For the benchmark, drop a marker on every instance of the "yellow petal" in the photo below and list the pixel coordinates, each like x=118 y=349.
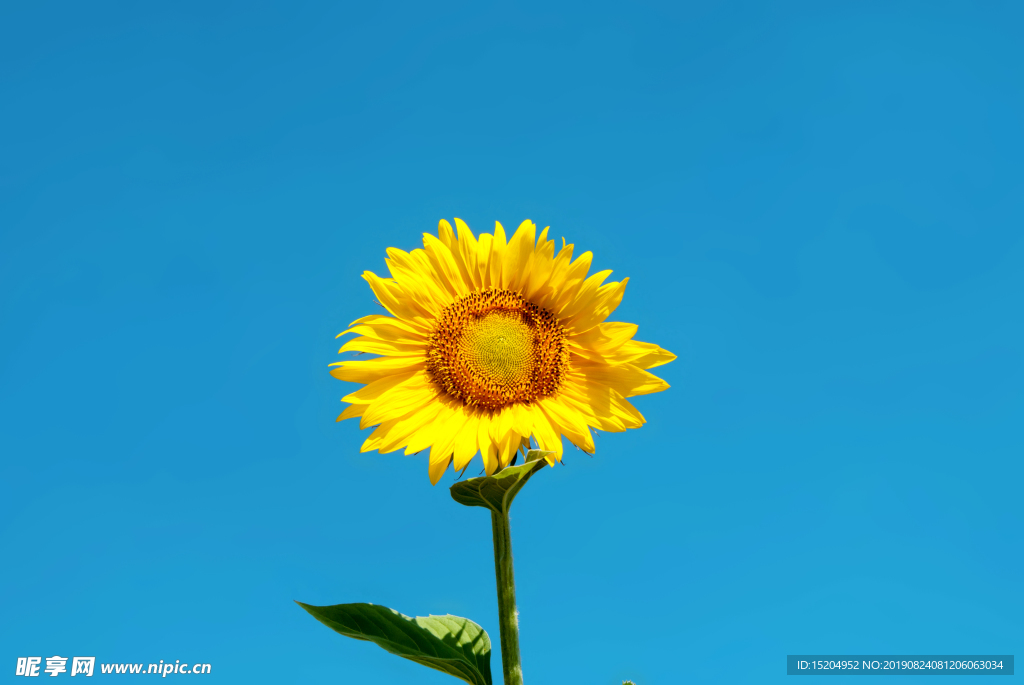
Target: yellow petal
x=428 y=435
x=379 y=434
x=465 y=443
x=542 y=240
x=437 y=468
x=370 y=370
x=488 y=449
x=587 y=292
x=542 y=262
x=597 y=417
x=604 y=303
x=547 y=294
x=522 y=420
x=445 y=234
x=627 y=379
x=642 y=354
x=546 y=434
x=604 y=338
x=444 y=265
x=569 y=422
x=368 y=393
x=564 y=292
x=483 y=255
x=351 y=412
x=469 y=253
x=498 y=245
x=395 y=299
x=385 y=347
x=501 y=423
x=398 y=401
x=441 y=452
x=402 y=430
x=387 y=332
x=517 y=255
x=508 y=449
x=604 y=401
x=416 y=326
x=412 y=271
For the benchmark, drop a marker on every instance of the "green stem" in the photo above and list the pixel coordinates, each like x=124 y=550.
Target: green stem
x=508 y=619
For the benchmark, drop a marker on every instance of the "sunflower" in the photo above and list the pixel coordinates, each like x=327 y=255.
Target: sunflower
x=493 y=342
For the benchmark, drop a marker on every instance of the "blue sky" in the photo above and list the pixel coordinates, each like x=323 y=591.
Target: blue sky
x=819 y=206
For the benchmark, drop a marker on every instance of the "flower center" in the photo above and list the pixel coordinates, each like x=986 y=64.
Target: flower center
x=493 y=348
x=498 y=346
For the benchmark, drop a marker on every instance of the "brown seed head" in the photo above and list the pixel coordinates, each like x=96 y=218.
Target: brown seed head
x=493 y=348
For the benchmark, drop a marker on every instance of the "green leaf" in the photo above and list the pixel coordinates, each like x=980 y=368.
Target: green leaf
x=451 y=644
x=497 y=492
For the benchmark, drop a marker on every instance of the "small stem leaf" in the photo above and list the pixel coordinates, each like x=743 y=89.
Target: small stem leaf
x=450 y=644
x=497 y=492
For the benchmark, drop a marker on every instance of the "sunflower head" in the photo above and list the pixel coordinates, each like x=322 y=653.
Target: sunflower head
x=493 y=344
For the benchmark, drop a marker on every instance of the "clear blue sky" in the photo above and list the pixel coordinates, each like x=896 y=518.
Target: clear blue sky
x=820 y=209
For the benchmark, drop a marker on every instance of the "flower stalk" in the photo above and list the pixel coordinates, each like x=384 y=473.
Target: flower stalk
x=508 y=615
